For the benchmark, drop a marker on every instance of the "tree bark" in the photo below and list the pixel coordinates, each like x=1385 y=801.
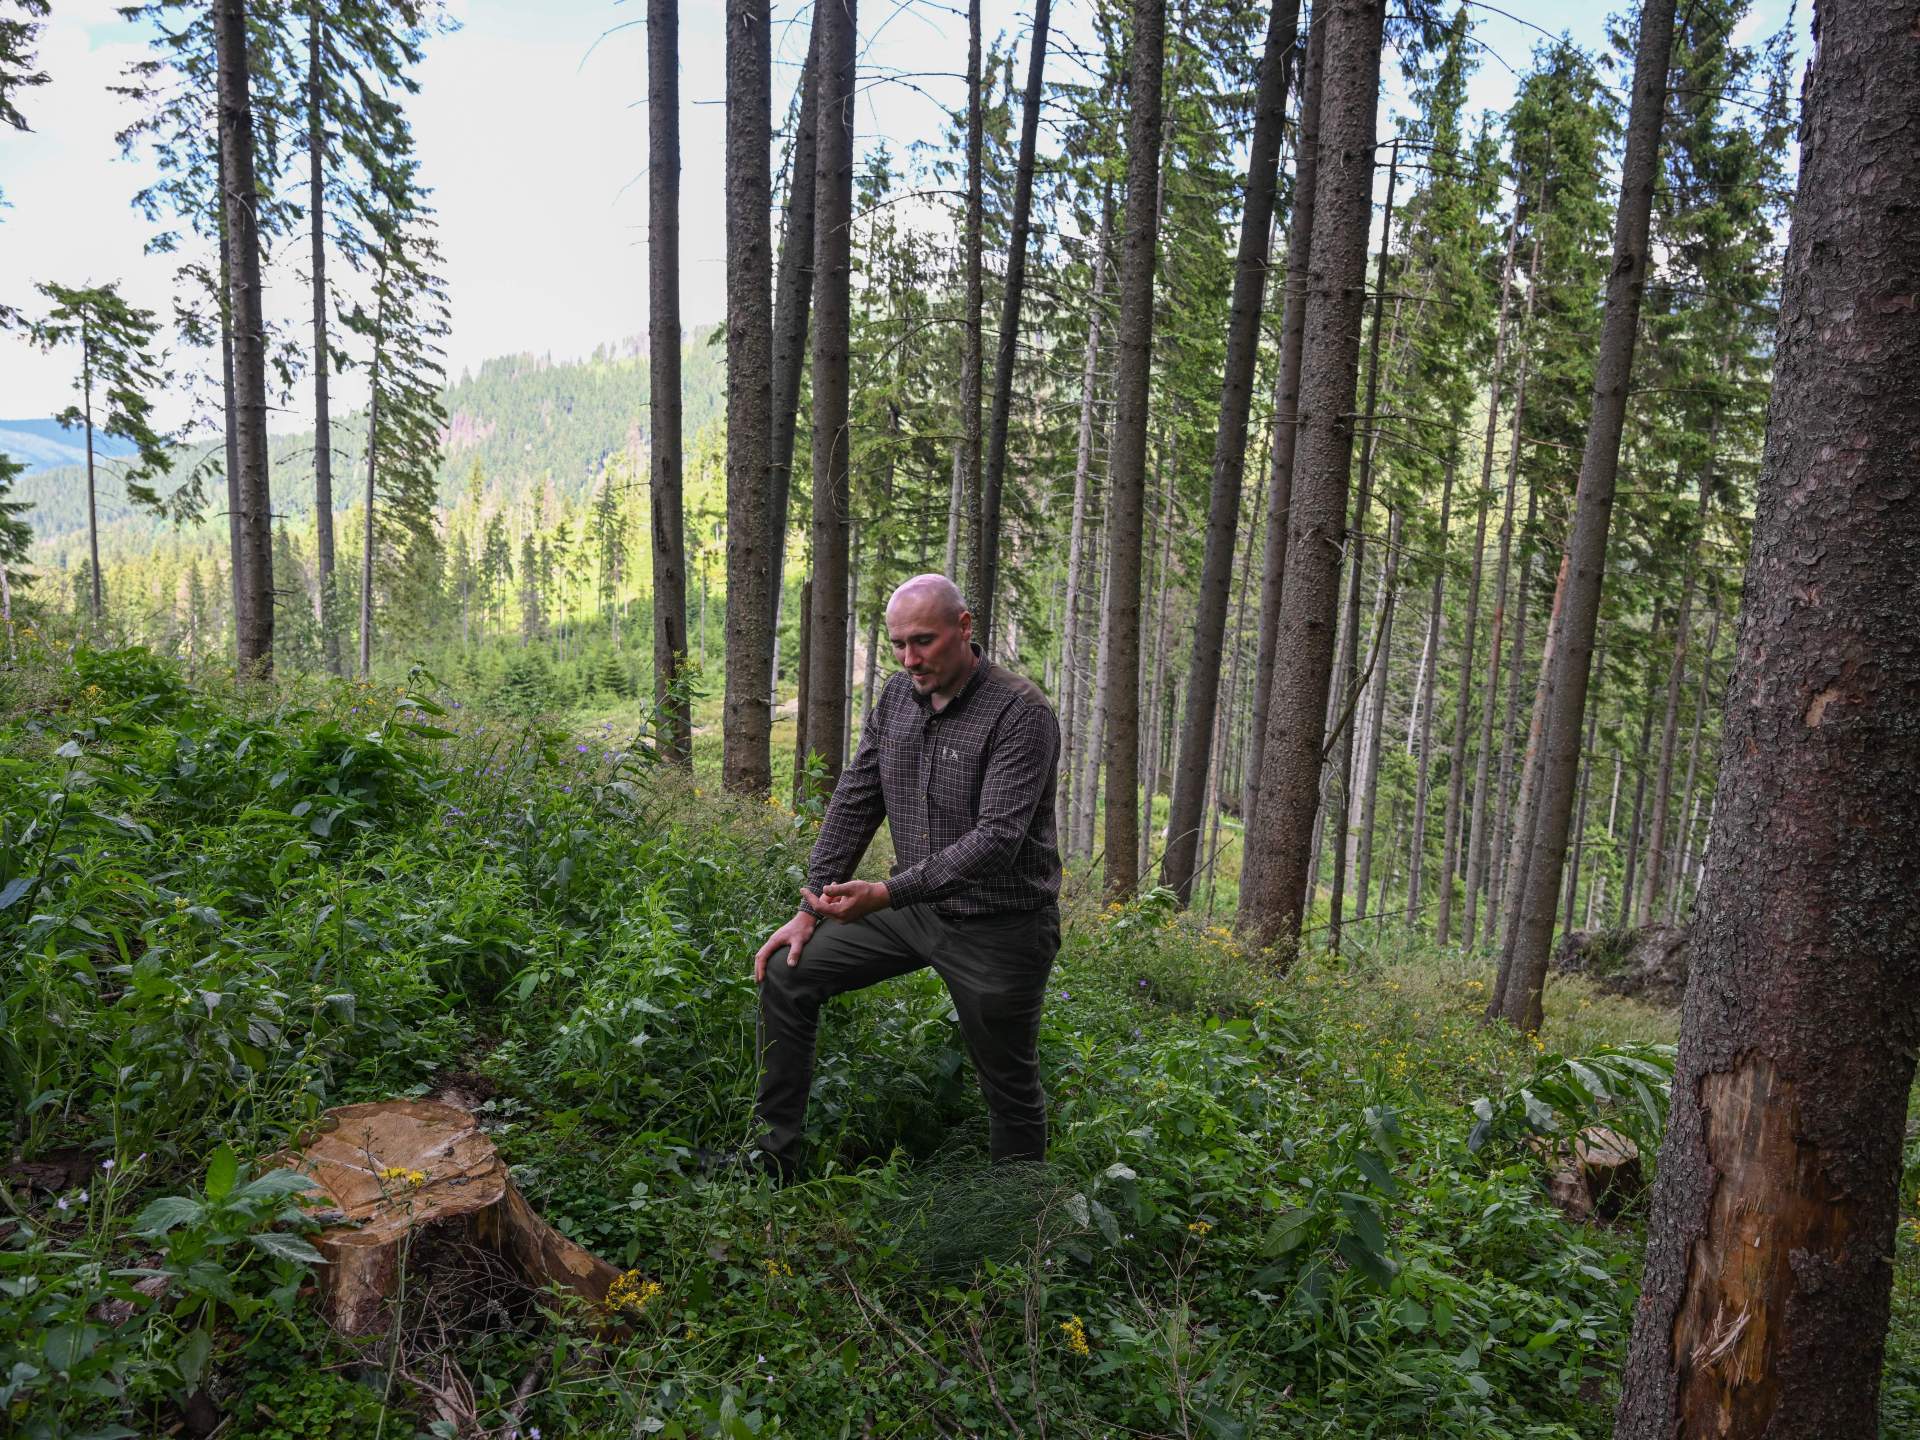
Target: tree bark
x=323 y=599
x=1073 y=637
x=746 y=731
x=1676 y=686
x=1498 y=860
x=1470 y=628
x=832 y=323
x=792 y=295
x=986 y=563
x=671 y=703
x=93 y=509
x=1127 y=465
x=253 y=616
x=1286 y=408
x=1765 y=1300
x=1586 y=544
x=369 y=534
x=967 y=476
x=1377 y=715
x=1586 y=775
x=1356 y=548
x=1479 y=844
x=1273 y=894
x=1188 y=800
x=1436 y=610
x=1693 y=758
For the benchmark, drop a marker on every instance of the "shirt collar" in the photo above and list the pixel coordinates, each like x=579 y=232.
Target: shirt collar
x=980 y=667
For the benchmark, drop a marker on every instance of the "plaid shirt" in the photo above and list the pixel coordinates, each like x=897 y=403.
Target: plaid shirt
x=966 y=791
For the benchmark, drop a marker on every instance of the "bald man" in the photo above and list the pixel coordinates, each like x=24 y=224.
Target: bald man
x=958 y=757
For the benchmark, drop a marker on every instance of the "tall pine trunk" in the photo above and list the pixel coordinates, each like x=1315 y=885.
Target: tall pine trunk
x=1764 y=1304
x=792 y=297
x=832 y=321
x=1279 y=853
x=323 y=599
x=1450 y=825
x=1377 y=716
x=963 y=523
x=1586 y=545
x=1127 y=465
x=1349 y=667
x=1498 y=860
x=746 y=757
x=986 y=564
x=253 y=589
x=1073 y=635
x=1286 y=408
x=1436 y=611
x=1188 y=800
x=671 y=702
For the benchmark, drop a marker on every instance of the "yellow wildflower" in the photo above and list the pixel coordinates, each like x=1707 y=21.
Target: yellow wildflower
x=1076 y=1334
x=776 y=1268
x=630 y=1292
x=399 y=1174
x=1198 y=1227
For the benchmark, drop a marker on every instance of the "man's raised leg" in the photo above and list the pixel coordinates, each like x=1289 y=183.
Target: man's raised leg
x=839 y=958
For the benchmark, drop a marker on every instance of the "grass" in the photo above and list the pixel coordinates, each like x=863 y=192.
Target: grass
x=1272 y=1207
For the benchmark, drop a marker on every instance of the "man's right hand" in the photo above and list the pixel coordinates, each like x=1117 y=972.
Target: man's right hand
x=794 y=935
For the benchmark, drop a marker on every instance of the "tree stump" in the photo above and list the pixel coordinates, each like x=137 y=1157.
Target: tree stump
x=1596 y=1172
x=394 y=1170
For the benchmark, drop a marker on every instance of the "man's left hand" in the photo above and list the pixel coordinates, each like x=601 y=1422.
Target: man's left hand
x=849 y=900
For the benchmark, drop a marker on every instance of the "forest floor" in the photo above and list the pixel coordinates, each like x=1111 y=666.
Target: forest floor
x=1278 y=1204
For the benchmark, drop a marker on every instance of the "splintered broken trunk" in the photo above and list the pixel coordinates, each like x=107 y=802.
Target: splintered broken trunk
x=395 y=1171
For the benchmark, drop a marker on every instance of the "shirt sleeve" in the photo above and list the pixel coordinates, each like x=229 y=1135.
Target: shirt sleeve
x=1019 y=764
x=853 y=814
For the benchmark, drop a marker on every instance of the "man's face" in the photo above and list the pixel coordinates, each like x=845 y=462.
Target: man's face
x=933 y=647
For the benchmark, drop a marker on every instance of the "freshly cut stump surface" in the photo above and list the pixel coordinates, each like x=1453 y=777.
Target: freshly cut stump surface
x=396 y=1169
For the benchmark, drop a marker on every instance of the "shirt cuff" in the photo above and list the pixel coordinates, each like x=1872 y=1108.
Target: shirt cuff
x=906 y=888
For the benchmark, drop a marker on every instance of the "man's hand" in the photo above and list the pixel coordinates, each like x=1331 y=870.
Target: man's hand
x=794 y=935
x=848 y=900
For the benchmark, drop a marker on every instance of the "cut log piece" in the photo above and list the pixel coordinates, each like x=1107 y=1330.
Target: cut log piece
x=394 y=1170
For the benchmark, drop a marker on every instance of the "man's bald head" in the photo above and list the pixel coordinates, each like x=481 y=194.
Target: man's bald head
x=932 y=635
x=931 y=596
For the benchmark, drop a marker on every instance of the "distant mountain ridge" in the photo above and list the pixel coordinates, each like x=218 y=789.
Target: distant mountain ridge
x=525 y=419
x=47 y=445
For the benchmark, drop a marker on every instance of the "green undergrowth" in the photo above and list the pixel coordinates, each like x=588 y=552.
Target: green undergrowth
x=1277 y=1204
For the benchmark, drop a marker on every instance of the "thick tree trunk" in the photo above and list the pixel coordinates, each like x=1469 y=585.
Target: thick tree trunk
x=1286 y=409
x=1436 y=610
x=253 y=615
x=671 y=703
x=1229 y=453
x=1274 y=892
x=792 y=297
x=1348 y=670
x=1764 y=1305
x=1073 y=637
x=1586 y=544
x=323 y=597
x=746 y=729
x=986 y=563
x=1128 y=462
x=1470 y=629
x=832 y=324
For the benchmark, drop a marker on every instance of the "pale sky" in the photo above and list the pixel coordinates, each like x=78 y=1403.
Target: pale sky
x=531 y=126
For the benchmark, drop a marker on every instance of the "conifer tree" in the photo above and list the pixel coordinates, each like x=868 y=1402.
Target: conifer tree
x=120 y=370
x=663 y=350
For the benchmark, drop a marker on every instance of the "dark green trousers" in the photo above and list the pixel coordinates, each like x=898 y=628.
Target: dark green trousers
x=994 y=966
